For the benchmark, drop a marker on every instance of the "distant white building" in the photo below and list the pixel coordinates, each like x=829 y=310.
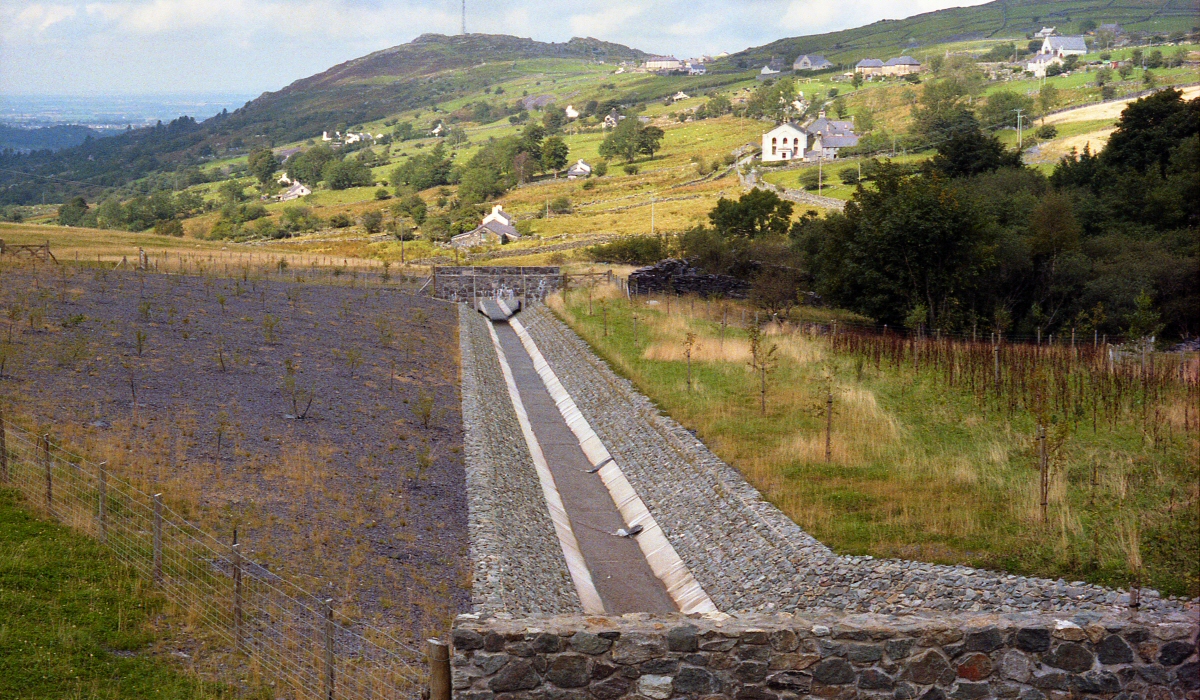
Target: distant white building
x=1041 y=62
x=578 y=170
x=1063 y=46
x=612 y=119
x=498 y=214
x=571 y=112
x=767 y=72
x=695 y=68
x=663 y=63
x=496 y=227
x=296 y=191
x=681 y=95
x=788 y=141
x=1045 y=32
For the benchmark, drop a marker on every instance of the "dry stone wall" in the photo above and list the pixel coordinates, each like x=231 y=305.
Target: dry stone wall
x=463 y=283
x=967 y=656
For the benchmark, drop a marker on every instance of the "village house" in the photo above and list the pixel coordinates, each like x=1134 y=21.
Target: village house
x=788 y=141
x=869 y=67
x=496 y=227
x=903 y=65
x=1039 y=63
x=681 y=95
x=1063 y=46
x=767 y=73
x=810 y=62
x=296 y=191
x=1045 y=32
x=612 y=119
x=696 y=68
x=828 y=136
x=578 y=170
x=665 y=64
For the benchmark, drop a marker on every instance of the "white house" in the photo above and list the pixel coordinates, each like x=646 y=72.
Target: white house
x=612 y=119
x=767 y=72
x=695 y=68
x=325 y=136
x=578 y=170
x=1063 y=46
x=1042 y=61
x=498 y=214
x=1045 y=32
x=788 y=141
x=296 y=191
x=663 y=63
x=681 y=95
x=571 y=112
x=490 y=231
x=810 y=62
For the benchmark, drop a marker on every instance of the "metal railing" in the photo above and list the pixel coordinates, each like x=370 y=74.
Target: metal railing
x=261 y=629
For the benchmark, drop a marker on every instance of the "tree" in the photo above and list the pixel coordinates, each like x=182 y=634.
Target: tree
x=1000 y=111
x=650 y=140
x=940 y=105
x=262 y=164
x=307 y=166
x=967 y=151
x=1150 y=128
x=404 y=131
x=622 y=141
x=757 y=213
x=554 y=119
x=344 y=174
x=372 y=221
x=554 y=153
x=413 y=206
x=773 y=101
x=718 y=105
x=906 y=242
x=1047 y=98
x=232 y=191
x=71 y=213
x=422 y=172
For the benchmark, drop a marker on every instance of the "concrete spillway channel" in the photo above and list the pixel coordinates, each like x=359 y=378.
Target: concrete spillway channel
x=588 y=497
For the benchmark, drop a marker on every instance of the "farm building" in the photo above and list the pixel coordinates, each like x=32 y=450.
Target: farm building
x=496 y=227
x=1063 y=46
x=787 y=141
x=578 y=170
x=810 y=62
x=869 y=67
x=902 y=65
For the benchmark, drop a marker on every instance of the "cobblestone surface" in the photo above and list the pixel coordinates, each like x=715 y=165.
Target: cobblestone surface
x=745 y=552
x=518 y=563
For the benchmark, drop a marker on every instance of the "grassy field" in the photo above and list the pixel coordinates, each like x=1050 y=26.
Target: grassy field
x=920 y=469
x=78 y=624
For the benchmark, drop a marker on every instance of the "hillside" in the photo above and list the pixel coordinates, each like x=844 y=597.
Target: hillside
x=49 y=137
x=1002 y=19
x=421 y=74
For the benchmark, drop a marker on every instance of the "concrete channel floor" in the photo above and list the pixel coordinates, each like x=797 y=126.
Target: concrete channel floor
x=619 y=570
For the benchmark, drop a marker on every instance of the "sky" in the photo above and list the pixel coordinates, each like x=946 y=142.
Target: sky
x=155 y=47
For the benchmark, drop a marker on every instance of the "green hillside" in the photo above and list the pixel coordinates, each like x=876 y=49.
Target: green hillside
x=1002 y=19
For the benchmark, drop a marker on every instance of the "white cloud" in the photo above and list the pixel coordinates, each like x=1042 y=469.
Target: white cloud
x=606 y=22
x=38 y=17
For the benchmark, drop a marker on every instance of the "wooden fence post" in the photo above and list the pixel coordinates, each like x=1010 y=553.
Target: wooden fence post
x=328 y=649
x=103 y=476
x=3 y=446
x=439 y=669
x=158 y=538
x=49 y=481
x=829 y=427
x=1044 y=468
x=237 y=596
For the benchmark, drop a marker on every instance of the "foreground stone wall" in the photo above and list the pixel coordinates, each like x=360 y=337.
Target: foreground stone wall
x=460 y=283
x=1028 y=656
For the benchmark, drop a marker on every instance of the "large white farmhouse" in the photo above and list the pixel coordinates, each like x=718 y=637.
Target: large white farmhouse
x=1063 y=46
x=788 y=141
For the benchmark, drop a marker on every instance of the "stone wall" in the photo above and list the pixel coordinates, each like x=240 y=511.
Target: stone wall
x=677 y=277
x=1027 y=656
x=518 y=562
x=461 y=283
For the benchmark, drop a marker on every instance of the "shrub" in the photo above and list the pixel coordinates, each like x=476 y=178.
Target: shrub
x=601 y=169
x=560 y=205
x=1046 y=131
x=169 y=227
x=589 y=185
x=630 y=169
x=382 y=194
x=340 y=220
x=811 y=180
x=372 y=221
x=849 y=176
x=630 y=250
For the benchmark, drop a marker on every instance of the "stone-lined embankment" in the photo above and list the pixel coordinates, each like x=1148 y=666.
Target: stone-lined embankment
x=746 y=554
x=518 y=562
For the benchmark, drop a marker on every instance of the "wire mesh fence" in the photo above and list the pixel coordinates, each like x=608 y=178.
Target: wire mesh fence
x=269 y=632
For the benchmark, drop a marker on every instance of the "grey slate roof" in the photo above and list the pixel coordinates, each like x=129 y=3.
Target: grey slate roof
x=902 y=61
x=869 y=63
x=1067 y=43
x=839 y=141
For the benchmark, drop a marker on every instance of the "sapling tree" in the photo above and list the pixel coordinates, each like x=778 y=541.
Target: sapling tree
x=222 y=427
x=762 y=360
x=354 y=359
x=422 y=408
x=293 y=390
x=270 y=324
x=139 y=338
x=383 y=325
x=689 y=342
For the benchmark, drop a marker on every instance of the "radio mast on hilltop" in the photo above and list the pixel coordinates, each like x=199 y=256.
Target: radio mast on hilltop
x=464 y=16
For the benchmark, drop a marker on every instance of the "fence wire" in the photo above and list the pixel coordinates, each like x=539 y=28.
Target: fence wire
x=272 y=633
